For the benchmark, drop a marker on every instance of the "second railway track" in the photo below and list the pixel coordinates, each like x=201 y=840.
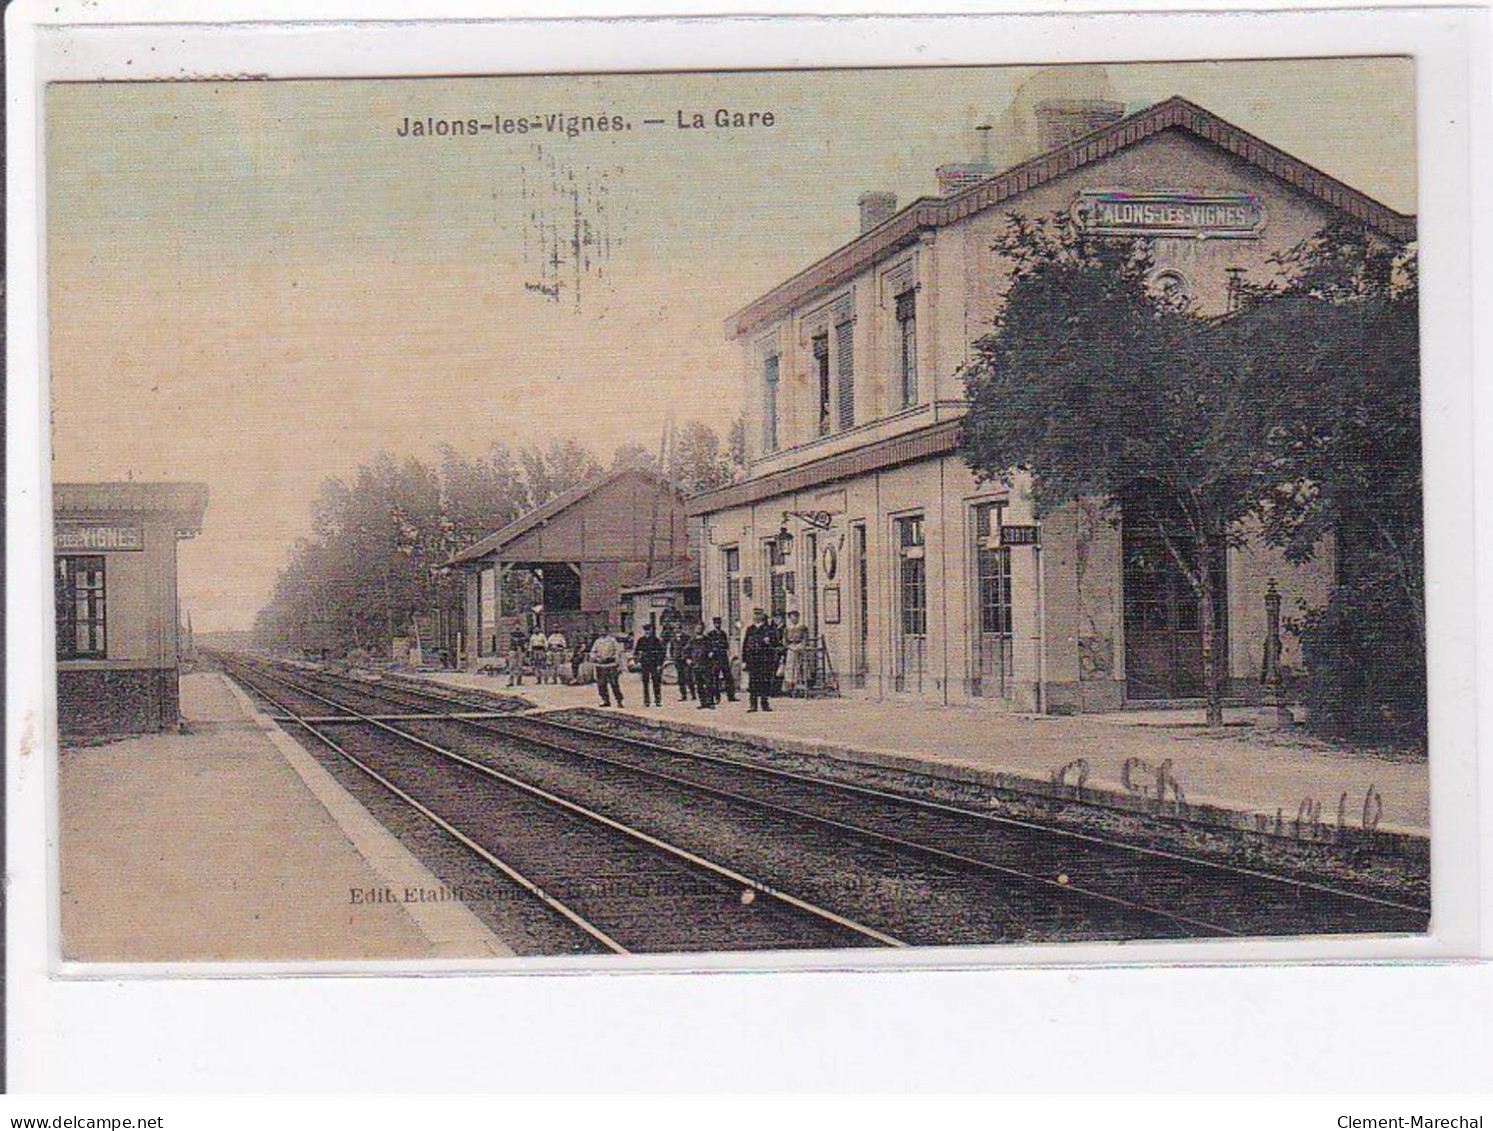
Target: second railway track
x=894 y=860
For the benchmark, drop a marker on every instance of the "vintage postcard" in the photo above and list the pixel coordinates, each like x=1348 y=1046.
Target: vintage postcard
x=787 y=511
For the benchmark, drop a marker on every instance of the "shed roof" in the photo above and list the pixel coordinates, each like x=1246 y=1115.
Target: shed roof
x=935 y=212
x=549 y=510
x=683 y=575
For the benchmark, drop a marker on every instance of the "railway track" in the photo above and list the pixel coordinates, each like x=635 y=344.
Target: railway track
x=1062 y=884
x=609 y=886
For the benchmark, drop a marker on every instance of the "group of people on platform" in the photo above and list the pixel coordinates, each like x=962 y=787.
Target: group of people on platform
x=545 y=655
x=772 y=658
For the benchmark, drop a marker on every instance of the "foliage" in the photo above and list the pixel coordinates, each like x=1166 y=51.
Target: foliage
x=1094 y=386
x=1299 y=408
x=1337 y=337
x=372 y=562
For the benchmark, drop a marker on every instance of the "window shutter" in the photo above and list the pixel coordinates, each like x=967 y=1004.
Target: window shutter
x=845 y=365
x=770 y=403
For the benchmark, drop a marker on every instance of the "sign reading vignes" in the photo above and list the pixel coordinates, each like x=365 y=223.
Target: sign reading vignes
x=1228 y=215
x=72 y=538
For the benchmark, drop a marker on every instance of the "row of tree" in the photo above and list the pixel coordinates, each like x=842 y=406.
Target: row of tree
x=1297 y=413
x=370 y=569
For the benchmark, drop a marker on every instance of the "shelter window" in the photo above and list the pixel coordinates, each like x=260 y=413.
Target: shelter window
x=82 y=623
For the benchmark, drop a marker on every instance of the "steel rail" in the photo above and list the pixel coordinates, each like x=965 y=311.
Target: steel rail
x=937 y=806
x=943 y=856
x=528 y=885
x=991 y=818
x=651 y=841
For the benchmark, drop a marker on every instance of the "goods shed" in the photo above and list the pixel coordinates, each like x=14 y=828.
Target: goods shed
x=565 y=564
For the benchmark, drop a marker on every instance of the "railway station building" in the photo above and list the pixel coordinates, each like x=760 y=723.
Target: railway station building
x=114 y=587
x=567 y=563
x=858 y=510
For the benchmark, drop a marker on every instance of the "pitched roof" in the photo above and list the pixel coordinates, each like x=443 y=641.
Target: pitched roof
x=186 y=502
x=542 y=514
x=681 y=575
x=935 y=212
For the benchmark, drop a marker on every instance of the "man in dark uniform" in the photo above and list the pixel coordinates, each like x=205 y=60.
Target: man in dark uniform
x=720 y=652
x=649 y=653
x=680 y=645
x=759 y=655
x=707 y=679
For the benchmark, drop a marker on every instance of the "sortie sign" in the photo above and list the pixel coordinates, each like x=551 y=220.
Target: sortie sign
x=75 y=538
x=1225 y=215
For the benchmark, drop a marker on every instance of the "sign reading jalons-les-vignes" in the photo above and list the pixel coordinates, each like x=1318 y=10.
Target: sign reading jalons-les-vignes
x=1222 y=215
x=96 y=538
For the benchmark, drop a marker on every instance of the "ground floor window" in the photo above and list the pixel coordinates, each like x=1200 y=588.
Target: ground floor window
x=912 y=604
x=860 y=660
x=992 y=594
x=732 y=558
x=780 y=574
x=82 y=621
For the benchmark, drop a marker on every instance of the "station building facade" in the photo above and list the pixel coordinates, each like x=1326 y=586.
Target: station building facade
x=858 y=510
x=115 y=600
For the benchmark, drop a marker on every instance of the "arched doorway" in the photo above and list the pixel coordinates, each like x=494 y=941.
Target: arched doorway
x=1163 y=625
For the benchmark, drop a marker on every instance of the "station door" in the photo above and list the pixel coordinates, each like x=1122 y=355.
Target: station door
x=1163 y=625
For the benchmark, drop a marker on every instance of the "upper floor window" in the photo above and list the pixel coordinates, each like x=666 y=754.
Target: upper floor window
x=821 y=382
x=907 y=348
x=78 y=589
x=770 y=403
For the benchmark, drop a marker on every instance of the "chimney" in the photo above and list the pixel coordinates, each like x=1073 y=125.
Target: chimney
x=876 y=208
x=957 y=177
x=1061 y=120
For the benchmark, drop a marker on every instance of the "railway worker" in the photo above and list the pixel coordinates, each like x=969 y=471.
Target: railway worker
x=559 y=653
x=681 y=644
x=649 y=652
x=606 y=657
x=539 y=653
x=578 y=659
x=759 y=655
x=518 y=641
x=795 y=636
x=707 y=677
x=720 y=659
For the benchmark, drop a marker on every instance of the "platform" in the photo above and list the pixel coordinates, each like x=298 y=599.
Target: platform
x=231 y=843
x=1242 y=769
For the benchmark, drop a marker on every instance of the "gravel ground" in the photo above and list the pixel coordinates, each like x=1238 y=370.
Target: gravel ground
x=1352 y=867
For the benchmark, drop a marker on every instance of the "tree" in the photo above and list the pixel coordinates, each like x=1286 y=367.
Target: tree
x=1336 y=340
x=1094 y=386
x=556 y=469
x=633 y=456
x=697 y=461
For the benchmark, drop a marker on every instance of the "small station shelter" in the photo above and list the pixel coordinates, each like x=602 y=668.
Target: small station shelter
x=114 y=586
x=565 y=564
x=668 y=599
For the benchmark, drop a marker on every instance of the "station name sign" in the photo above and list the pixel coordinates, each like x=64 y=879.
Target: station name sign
x=1019 y=536
x=1226 y=215
x=92 y=538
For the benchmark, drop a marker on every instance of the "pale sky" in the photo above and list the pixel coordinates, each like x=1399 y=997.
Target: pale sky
x=258 y=285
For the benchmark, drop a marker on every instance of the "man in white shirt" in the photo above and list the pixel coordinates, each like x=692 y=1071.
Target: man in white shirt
x=606 y=657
